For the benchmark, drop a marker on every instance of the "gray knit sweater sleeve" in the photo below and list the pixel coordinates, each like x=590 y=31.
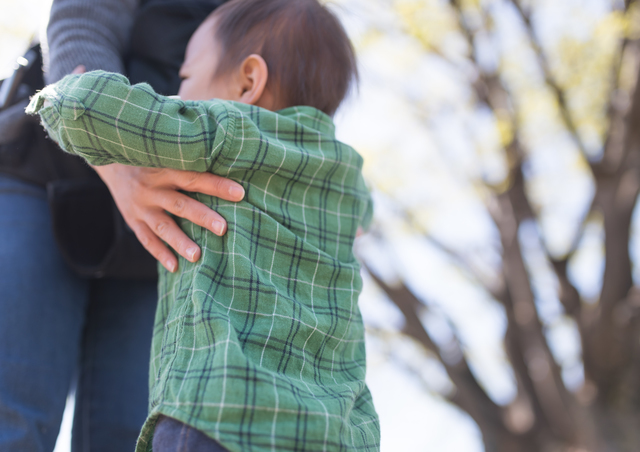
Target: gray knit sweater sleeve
x=93 y=33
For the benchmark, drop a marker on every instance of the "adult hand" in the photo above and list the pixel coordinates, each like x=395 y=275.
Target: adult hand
x=145 y=195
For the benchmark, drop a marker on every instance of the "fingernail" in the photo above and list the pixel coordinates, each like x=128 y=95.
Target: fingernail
x=169 y=265
x=236 y=192
x=218 y=227
x=191 y=252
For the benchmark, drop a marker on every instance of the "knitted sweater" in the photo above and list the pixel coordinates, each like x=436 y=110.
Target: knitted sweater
x=94 y=34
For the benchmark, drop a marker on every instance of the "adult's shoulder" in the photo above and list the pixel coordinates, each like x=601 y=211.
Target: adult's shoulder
x=93 y=33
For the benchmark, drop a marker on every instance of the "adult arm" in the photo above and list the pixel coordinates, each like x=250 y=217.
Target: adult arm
x=95 y=35
x=103 y=119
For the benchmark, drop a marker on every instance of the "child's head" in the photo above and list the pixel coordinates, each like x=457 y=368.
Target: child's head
x=270 y=53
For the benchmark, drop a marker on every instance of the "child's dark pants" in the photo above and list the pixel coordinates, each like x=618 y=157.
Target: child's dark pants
x=174 y=436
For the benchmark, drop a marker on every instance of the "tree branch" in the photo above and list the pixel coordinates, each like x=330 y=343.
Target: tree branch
x=549 y=395
x=557 y=91
x=469 y=394
x=604 y=350
x=553 y=397
x=617 y=108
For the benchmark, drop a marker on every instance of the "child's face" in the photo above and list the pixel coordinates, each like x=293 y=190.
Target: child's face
x=200 y=64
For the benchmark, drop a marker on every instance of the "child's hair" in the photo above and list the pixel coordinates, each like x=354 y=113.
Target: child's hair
x=309 y=57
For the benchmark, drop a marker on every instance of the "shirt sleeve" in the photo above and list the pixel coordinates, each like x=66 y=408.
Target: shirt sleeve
x=102 y=118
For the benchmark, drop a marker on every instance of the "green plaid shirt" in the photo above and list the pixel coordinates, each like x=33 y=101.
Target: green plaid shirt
x=259 y=344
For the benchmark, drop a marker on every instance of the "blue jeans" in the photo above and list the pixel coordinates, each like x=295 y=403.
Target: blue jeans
x=54 y=325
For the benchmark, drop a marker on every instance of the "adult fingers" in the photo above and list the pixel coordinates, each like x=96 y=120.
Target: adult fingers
x=155 y=247
x=163 y=226
x=207 y=183
x=194 y=211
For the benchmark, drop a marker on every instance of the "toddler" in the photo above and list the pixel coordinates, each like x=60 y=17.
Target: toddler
x=258 y=346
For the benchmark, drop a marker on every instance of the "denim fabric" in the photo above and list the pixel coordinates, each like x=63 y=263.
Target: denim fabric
x=174 y=436
x=54 y=325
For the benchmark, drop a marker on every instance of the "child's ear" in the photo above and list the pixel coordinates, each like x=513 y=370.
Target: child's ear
x=253 y=79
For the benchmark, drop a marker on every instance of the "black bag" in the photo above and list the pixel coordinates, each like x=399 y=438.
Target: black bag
x=91 y=234
x=111 y=249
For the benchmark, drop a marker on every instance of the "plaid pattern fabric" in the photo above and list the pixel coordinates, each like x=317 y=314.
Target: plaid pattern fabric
x=259 y=344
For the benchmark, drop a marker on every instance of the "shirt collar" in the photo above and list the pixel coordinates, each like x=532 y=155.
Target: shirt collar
x=310 y=117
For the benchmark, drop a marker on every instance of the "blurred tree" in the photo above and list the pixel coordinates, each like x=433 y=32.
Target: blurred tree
x=542 y=88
